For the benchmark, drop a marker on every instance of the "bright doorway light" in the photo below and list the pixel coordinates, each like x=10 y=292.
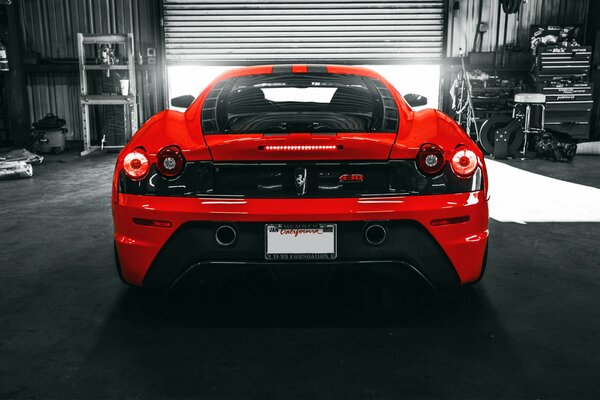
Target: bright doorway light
x=191 y=79
x=306 y=95
x=418 y=79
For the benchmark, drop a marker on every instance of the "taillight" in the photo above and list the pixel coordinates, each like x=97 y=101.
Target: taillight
x=430 y=159
x=170 y=161
x=135 y=164
x=464 y=162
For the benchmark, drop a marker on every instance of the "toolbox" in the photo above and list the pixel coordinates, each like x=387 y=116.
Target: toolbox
x=556 y=63
x=563 y=77
x=568 y=107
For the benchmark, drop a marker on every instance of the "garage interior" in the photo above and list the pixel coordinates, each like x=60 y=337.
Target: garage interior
x=70 y=329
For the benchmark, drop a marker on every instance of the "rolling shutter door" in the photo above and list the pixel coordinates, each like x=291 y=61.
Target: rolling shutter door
x=275 y=31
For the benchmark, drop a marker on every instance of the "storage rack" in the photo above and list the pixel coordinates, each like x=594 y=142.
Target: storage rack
x=495 y=96
x=498 y=93
x=129 y=101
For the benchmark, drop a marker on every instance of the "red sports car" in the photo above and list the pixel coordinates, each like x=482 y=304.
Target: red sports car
x=304 y=165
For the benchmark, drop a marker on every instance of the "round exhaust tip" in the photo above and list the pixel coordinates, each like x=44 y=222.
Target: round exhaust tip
x=375 y=234
x=225 y=235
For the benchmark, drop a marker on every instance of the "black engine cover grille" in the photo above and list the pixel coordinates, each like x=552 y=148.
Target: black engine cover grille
x=300 y=179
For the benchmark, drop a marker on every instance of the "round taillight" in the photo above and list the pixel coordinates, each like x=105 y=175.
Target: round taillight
x=430 y=159
x=464 y=162
x=135 y=164
x=170 y=161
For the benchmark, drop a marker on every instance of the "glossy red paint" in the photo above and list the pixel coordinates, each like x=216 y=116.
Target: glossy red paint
x=183 y=129
x=464 y=243
x=353 y=146
x=299 y=69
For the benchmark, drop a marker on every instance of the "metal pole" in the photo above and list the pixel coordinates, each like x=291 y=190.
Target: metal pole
x=504 y=40
x=497 y=35
x=470 y=109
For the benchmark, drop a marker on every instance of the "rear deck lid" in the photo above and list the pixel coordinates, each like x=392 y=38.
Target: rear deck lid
x=299 y=116
x=346 y=146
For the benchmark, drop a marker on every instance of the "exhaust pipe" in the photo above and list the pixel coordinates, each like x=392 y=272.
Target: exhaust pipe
x=375 y=234
x=225 y=235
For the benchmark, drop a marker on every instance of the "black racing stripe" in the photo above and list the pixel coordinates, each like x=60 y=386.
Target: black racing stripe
x=317 y=68
x=282 y=69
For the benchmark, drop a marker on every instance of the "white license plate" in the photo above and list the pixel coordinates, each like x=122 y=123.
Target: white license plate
x=300 y=242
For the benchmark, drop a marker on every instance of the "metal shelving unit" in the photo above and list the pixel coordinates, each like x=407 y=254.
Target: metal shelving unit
x=129 y=102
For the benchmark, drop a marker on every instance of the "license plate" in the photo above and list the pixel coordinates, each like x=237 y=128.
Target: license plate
x=300 y=242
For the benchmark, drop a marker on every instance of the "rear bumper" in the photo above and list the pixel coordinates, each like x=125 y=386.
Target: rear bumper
x=156 y=256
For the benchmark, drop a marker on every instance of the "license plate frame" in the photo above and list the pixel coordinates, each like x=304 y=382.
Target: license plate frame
x=284 y=249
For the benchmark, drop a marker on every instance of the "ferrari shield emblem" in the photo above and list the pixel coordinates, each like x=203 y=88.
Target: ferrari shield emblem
x=300 y=180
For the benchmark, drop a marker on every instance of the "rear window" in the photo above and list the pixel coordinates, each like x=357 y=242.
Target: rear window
x=308 y=103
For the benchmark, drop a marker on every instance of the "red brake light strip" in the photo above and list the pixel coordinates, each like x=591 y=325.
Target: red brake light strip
x=325 y=147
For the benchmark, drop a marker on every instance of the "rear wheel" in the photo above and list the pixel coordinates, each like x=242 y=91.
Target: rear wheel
x=483 y=265
x=118 y=266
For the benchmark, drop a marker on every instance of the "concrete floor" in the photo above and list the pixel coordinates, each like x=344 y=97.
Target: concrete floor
x=69 y=328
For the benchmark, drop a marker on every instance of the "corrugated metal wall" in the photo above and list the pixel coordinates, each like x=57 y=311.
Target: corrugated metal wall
x=464 y=21
x=56 y=93
x=50 y=28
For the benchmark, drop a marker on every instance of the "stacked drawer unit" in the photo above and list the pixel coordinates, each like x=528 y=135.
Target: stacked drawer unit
x=569 y=108
x=556 y=63
x=563 y=76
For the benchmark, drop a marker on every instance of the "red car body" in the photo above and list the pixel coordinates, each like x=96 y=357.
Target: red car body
x=440 y=233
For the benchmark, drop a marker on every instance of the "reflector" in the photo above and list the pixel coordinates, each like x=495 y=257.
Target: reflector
x=449 y=221
x=152 y=222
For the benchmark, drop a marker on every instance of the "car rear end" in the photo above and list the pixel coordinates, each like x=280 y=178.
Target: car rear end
x=315 y=166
